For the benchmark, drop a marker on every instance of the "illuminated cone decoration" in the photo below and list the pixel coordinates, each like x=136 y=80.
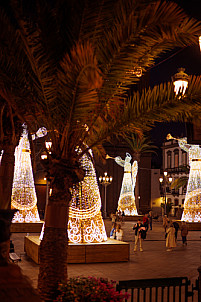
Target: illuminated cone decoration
x=23 y=192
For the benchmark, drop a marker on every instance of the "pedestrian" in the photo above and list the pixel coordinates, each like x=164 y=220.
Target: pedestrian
x=176 y=226
x=113 y=217
x=145 y=221
x=140 y=232
x=184 y=232
x=113 y=231
x=170 y=238
x=122 y=215
x=119 y=232
x=165 y=222
x=150 y=216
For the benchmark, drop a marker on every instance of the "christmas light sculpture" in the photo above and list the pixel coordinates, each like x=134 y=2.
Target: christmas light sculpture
x=23 y=191
x=192 y=203
x=85 y=224
x=126 y=200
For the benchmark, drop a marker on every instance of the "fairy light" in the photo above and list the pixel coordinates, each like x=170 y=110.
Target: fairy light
x=192 y=203
x=85 y=224
x=23 y=191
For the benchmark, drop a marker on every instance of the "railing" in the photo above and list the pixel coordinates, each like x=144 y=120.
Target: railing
x=158 y=290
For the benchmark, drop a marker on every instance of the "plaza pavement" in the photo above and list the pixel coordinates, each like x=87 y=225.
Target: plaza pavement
x=153 y=262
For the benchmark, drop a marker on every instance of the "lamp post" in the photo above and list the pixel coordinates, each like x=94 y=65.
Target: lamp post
x=105 y=181
x=165 y=180
x=180 y=81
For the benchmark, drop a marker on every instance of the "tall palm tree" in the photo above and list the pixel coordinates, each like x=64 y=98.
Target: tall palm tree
x=68 y=67
x=139 y=145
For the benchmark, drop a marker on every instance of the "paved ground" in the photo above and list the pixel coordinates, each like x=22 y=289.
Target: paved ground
x=153 y=262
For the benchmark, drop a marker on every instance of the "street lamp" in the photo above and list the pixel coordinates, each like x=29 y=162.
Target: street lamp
x=105 y=181
x=165 y=180
x=180 y=81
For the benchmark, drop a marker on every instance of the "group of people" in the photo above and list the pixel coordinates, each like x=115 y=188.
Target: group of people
x=142 y=226
x=171 y=230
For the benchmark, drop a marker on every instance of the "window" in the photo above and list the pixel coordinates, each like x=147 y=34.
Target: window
x=176 y=158
x=184 y=189
x=184 y=158
x=176 y=202
x=169 y=159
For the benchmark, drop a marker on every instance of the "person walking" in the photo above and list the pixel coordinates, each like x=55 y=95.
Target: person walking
x=139 y=229
x=170 y=238
x=184 y=232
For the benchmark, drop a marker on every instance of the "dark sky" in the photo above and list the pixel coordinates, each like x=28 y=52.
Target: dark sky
x=188 y=58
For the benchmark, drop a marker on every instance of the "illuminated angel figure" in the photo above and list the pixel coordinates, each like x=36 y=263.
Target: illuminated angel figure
x=192 y=203
x=126 y=201
x=23 y=191
x=85 y=220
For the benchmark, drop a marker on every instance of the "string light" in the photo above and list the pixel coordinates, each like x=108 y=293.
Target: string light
x=85 y=224
x=192 y=203
x=23 y=191
x=126 y=201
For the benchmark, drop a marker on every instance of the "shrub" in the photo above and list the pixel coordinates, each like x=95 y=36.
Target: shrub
x=83 y=289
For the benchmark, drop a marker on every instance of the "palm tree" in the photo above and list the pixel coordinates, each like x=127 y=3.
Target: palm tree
x=181 y=181
x=68 y=68
x=139 y=144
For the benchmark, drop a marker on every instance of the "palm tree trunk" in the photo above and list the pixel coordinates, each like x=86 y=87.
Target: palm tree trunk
x=6 y=176
x=53 y=249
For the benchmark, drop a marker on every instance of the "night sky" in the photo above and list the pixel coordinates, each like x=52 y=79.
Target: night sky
x=188 y=58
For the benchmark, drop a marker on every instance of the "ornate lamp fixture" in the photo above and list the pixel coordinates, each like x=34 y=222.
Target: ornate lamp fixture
x=165 y=180
x=105 y=181
x=180 y=81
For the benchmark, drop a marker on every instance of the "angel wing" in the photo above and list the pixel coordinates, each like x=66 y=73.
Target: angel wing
x=134 y=171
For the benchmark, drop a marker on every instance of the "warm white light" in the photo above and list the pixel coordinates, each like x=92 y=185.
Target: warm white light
x=85 y=220
x=48 y=145
x=126 y=200
x=192 y=203
x=161 y=179
x=200 y=42
x=180 y=81
x=23 y=192
x=43 y=156
x=180 y=86
x=170 y=179
x=165 y=173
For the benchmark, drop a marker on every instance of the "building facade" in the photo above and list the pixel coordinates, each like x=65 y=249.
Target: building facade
x=176 y=163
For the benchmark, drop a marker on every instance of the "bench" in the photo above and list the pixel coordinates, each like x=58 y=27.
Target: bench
x=14 y=257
